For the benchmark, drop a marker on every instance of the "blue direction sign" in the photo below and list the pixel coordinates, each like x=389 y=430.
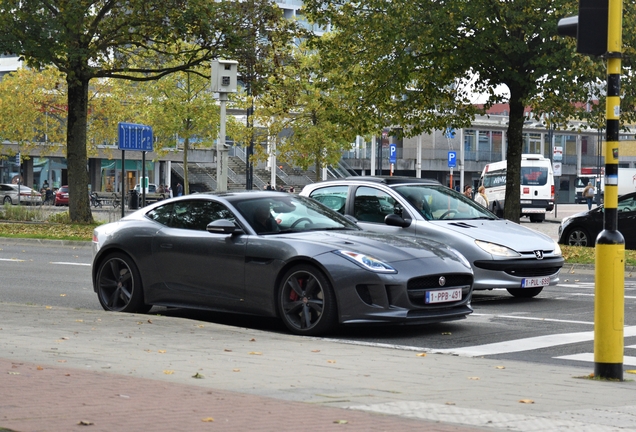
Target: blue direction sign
x=452 y=159
x=392 y=153
x=135 y=137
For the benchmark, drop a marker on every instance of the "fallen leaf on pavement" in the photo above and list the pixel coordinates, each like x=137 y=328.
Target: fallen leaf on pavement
x=500 y=367
x=200 y=326
x=40 y=368
x=252 y=340
x=48 y=307
x=207 y=419
x=421 y=354
x=61 y=361
x=169 y=372
x=79 y=320
x=227 y=350
x=149 y=321
x=161 y=351
x=474 y=378
x=331 y=361
x=62 y=295
x=450 y=403
x=526 y=401
x=13 y=373
x=236 y=370
x=340 y=421
x=255 y=353
x=84 y=423
x=198 y=376
x=315 y=350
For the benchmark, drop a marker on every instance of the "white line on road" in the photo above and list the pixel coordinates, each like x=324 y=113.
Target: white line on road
x=589 y=357
x=528 y=344
x=11 y=259
x=534 y=318
x=70 y=263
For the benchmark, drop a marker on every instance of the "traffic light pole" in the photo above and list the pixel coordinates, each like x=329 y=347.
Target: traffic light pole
x=609 y=278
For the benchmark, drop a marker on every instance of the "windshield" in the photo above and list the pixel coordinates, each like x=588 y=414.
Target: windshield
x=290 y=213
x=436 y=202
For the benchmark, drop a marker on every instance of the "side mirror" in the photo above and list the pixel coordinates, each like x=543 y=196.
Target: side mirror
x=223 y=226
x=396 y=220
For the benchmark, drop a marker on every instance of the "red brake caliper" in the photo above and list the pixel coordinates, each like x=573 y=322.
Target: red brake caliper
x=292 y=294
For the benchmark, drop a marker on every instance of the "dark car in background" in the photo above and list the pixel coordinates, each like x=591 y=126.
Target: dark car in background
x=582 y=228
x=312 y=268
x=503 y=254
x=61 y=196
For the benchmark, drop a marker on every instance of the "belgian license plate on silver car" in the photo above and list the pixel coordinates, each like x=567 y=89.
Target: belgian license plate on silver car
x=442 y=296
x=535 y=282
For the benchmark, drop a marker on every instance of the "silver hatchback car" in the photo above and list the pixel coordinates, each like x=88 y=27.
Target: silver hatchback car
x=503 y=254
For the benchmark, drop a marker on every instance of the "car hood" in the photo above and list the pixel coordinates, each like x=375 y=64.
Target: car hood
x=389 y=248
x=501 y=232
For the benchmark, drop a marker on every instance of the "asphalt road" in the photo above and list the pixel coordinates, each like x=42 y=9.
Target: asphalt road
x=555 y=327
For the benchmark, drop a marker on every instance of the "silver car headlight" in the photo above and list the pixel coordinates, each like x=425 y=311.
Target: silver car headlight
x=557 y=249
x=367 y=262
x=495 y=249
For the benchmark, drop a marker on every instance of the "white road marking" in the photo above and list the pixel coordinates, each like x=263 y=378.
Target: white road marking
x=589 y=357
x=534 y=318
x=527 y=344
x=12 y=259
x=69 y=263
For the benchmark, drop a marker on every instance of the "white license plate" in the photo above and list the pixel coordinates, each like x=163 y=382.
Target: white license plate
x=532 y=210
x=442 y=296
x=535 y=282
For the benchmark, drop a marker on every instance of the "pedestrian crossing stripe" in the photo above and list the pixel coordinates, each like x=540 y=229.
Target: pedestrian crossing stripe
x=589 y=357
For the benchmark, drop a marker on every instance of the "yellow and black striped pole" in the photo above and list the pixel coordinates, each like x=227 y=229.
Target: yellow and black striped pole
x=609 y=278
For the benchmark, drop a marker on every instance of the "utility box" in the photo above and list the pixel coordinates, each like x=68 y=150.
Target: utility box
x=224 y=74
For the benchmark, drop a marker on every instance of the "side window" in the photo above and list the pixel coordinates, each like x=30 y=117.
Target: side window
x=197 y=214
x=627 y=205
x=372 y=205
x=334 y=197
x=161 y=214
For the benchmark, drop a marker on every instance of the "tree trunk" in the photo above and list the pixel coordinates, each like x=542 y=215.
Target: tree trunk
x=512 y=209
x=186 y=181
x=76 y=153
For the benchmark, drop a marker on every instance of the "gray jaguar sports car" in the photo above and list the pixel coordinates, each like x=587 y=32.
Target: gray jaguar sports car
x=275 y=254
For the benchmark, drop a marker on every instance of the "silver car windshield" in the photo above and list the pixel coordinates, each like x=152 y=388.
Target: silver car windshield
x=290 y=213
x=436 y=202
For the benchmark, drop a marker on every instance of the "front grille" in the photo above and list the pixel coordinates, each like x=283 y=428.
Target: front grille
x=534 y=272
x=432 y=282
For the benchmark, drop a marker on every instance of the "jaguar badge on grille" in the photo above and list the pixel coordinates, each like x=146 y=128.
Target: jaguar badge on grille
x=442 y=281
x=538 y=254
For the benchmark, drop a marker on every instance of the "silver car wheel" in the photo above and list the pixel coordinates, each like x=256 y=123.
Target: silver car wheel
x=578 y=237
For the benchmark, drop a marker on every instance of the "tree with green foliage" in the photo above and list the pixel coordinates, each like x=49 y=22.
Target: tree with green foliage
x=420 y=63
x=306 y=119
x=129 y=39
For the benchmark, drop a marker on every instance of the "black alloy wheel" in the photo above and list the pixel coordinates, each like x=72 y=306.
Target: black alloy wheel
x=119 y=285
x=306 y=301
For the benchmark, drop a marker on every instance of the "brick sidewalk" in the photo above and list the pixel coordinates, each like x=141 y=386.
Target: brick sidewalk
x=54 y=399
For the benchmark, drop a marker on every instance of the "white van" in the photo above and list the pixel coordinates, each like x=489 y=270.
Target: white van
x=537 y=186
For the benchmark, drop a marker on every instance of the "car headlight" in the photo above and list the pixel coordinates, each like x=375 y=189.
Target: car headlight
x=495 y=249
x=557 y=249
x=367 y=262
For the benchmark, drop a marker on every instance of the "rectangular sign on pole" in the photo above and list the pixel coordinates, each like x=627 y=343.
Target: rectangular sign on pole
x=452 y=159
x=135 y=137
x=392 y=153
